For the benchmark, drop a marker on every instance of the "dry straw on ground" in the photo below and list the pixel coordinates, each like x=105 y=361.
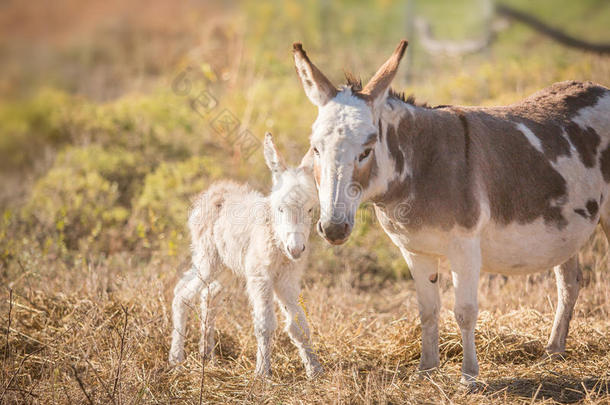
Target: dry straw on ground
x=106 y=341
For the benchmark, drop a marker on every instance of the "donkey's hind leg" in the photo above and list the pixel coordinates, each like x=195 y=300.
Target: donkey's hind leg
x=605 y=221
x=568 y=277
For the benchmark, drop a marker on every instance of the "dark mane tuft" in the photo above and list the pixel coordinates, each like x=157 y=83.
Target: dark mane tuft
x=355 y=84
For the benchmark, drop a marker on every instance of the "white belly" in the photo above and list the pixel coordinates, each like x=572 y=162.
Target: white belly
x=510 y=249
x=522 y=249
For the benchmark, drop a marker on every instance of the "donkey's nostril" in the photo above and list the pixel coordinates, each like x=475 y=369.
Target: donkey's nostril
x=302 y=250
x=320 y=229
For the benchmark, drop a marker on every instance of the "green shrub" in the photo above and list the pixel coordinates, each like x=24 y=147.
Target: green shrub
x=78 y=209
x=124 y=168
x=160 y=212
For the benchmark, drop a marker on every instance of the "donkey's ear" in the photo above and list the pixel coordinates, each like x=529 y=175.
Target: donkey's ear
x=377 y=88
x=272 y=157
x=317 y=87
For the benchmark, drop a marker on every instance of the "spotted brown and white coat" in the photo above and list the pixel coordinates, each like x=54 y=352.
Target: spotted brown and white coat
x=512 y=190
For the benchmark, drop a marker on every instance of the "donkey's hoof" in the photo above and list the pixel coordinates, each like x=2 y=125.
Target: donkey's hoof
x=426 y=372
x=470 y=385
x=554 y=354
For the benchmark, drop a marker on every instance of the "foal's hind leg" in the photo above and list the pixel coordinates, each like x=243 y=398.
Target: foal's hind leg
x=568 y=277
x=209 y=307
x=189 y=285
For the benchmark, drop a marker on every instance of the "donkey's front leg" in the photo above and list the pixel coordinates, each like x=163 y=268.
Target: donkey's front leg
x=568 y=277
x=465 y=260
x=424 y=270
x=260 y=292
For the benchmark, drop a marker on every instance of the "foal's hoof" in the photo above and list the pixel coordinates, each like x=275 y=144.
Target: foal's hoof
x=175 y=359
x=264 y=375
x=314 y=372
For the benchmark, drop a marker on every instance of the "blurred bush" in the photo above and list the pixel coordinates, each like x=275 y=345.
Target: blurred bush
x=107 y=154
x=161 y=209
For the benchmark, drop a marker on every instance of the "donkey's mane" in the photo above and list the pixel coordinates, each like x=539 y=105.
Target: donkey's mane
x=355 y=84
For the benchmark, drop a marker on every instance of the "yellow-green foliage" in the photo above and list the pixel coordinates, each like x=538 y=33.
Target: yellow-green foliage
x=118 y=174
x=79 y=207
x=161 y=210
x=27 y=126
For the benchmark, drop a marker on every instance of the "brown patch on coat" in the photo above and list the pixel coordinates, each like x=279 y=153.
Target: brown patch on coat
x=458 y=151
x=590 y=211
x=592 y=208
x=440 y=192
x=551 y=136
x=362 y=175
x=393 y=145
x=506 y=164
x=455 y=152
x=586 y=141
x=604 y=164
x=561 y=100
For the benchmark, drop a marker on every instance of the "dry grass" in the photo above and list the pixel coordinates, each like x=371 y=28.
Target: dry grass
x=105 y=339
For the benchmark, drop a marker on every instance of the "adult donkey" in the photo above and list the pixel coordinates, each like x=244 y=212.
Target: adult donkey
x=512 y=190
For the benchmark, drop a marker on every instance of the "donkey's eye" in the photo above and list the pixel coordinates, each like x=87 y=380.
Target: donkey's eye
x=316 y=152
x=364 y=154
x=280 y=209
x=309 y=211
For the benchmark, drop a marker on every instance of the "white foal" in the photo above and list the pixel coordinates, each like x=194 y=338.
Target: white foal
x=260 y=238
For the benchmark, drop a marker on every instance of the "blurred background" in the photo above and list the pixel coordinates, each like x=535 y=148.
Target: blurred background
x=114 y=114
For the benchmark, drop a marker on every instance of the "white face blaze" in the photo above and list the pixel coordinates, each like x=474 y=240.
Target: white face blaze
x=343 y=141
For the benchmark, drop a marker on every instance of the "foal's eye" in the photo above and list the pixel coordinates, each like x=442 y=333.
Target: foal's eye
x=364 y=154
x=309 y=211
x=280 y=209
x=316 y=152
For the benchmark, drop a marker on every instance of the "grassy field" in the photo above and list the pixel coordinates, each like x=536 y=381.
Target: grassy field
x=108 y=115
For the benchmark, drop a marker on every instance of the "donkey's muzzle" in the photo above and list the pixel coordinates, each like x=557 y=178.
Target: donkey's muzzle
x=334 y=233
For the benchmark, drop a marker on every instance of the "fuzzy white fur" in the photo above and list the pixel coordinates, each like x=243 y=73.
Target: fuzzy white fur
x=260 y=238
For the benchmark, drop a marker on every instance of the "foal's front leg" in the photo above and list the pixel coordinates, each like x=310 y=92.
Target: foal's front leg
x=465 y=260
x=260 y=292
x=287 y=291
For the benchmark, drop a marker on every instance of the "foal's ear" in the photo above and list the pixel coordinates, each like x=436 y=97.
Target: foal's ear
x=272 y=157
x=307 y=161
x=376 y=90
x=317 y=87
